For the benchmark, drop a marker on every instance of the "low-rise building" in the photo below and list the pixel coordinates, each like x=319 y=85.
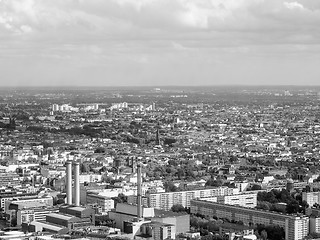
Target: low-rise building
x=106 y=203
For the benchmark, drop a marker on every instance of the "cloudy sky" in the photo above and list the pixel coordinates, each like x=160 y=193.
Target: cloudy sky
x=159 y=42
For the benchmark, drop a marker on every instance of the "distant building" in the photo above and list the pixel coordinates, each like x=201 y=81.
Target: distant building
x=34 y=214
x=244 y=200
x=314 y=224
x=67 y=219
x=166 y=200
x=106 y=203
x=7 y=196
x=155 y=224
x=233 y=230
x=9 y=179
x=311 y=197
x=55 y=107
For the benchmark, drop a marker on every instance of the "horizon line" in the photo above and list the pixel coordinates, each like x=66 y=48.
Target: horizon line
x=160 y=86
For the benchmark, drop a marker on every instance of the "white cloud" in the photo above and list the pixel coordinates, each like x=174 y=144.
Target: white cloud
x=116 y=34
x=144 y=16
x=293 y=5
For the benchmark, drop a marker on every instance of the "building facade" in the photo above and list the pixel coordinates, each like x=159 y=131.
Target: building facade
x=243 y=200
x=311 y=197
x=106 y=203
x=166 y=200
x=35 y=214
x=295 y=227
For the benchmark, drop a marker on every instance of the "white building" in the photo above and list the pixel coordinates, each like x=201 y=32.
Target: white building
x=106 y=203
x=243 y=200
x=314 y=224
x=311 y=197
x=166 y=200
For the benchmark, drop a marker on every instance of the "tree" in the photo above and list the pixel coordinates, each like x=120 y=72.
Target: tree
x=100 y=150
x=170 y=187
x=84 y=168
x=256 y=187
x=274 y=232
x=264 y=235
x=264 y=205
x=106 y=179
x=120 y=199
x=293 y=207
x=214 y=183
x=178 y=208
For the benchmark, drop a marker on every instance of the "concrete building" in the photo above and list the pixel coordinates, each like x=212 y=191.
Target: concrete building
x=9 y=196
x=236 y=231
x=106 y=203
x=12 y=207
x=9 y=179
x=34 y=214
x=314 y=224
x=295 y=227
x=126 y=213
x=133 y=199
x=12 y=204
x=154 y=223
x=311 y=197
x=88 y=178
x=243 y=200
x=146 y=222
x=166 y=200
x=67 y=219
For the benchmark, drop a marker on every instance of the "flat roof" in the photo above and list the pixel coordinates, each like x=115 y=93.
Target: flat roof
x=162 y=213
x=60 y=216
x=161 y=224
x=235 y=226
x=30 y=204
x=77 y=208
x=48 y=226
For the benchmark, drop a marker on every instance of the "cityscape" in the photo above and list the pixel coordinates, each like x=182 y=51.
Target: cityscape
x=160 y=163
x=160 y=119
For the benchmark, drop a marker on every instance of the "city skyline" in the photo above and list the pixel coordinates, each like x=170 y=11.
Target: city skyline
x=159 y=42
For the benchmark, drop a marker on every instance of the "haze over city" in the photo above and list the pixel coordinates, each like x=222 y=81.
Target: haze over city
x=159 y=42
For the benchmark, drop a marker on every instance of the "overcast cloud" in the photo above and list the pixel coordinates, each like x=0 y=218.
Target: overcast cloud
x=159 y=42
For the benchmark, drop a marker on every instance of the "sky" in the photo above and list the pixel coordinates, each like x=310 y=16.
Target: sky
x=159 y=42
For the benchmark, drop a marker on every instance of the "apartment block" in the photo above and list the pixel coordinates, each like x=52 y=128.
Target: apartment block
x=311 y=197
x=295 y=227
x=244 y=200
x=314 y=224
x=166 y=200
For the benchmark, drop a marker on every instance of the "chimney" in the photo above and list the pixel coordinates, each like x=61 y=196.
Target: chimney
x=139 y=192
x=69 y=182
x=76 y=184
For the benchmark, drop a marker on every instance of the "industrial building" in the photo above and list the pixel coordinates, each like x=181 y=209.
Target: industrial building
x=106 y=203
x=7 y=196
x=70 y=216
x=146 y=222
x=17 y=209
x=34 y=214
